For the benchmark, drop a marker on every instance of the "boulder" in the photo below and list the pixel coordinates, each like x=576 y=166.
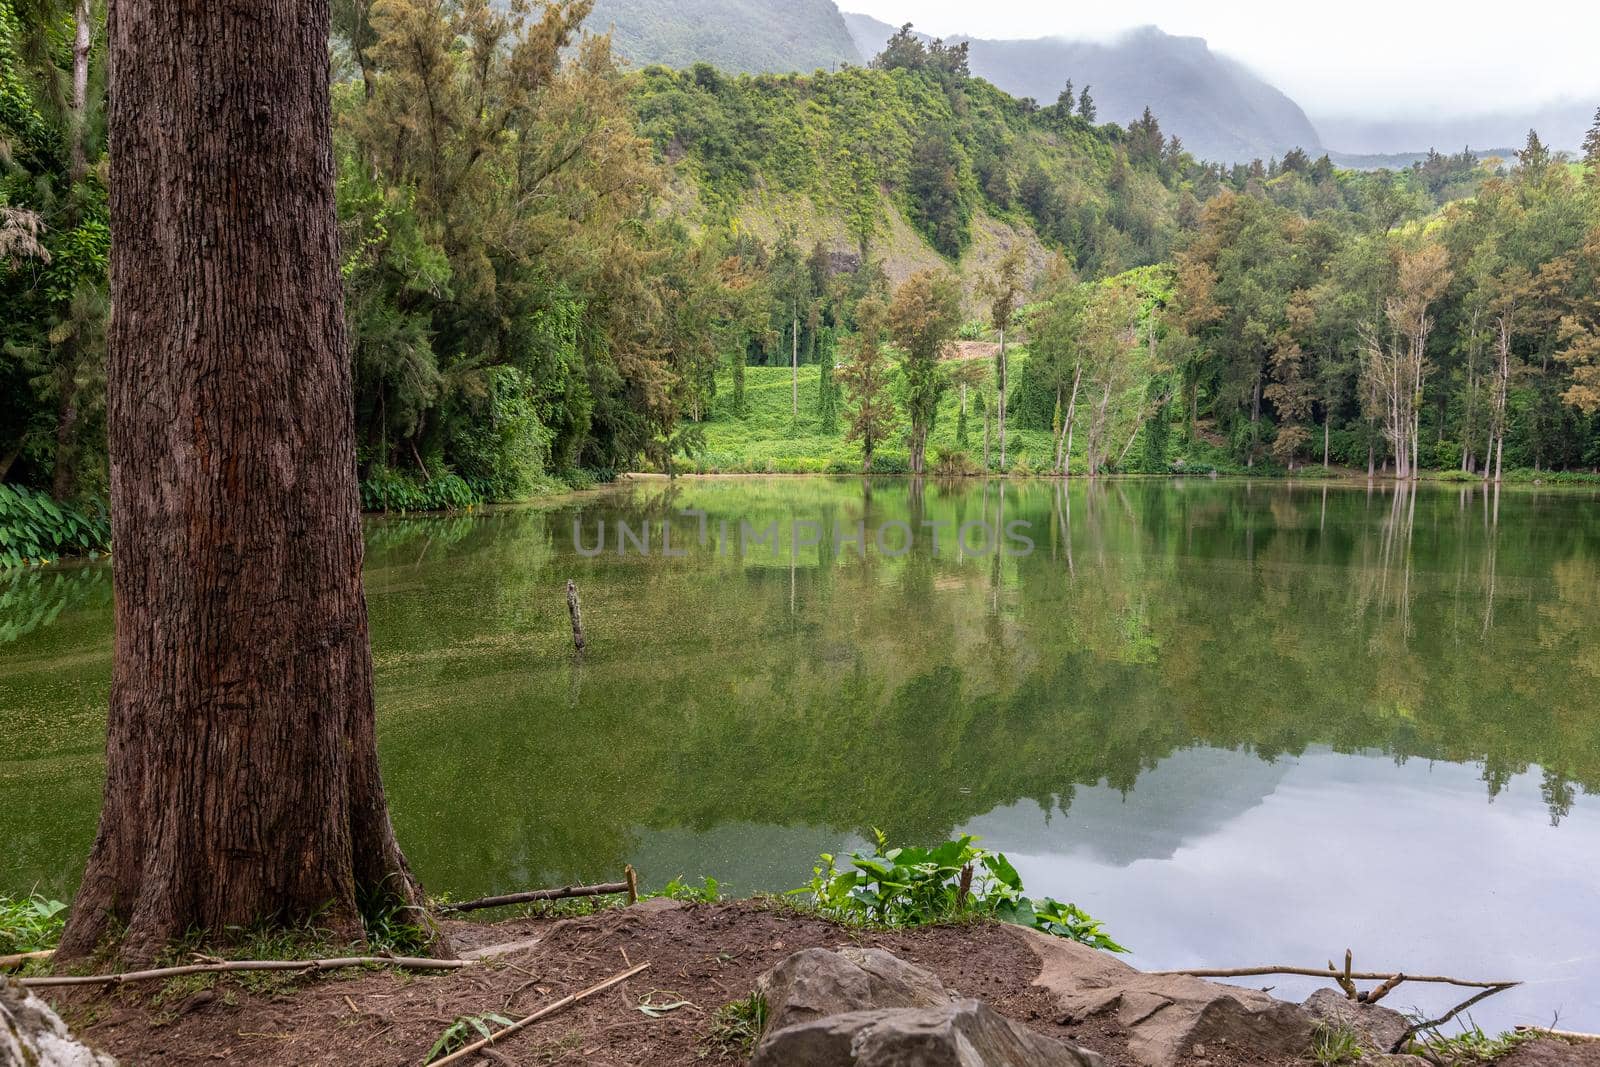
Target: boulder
x=815 y=983
x=965 y=1033
x=30 y=1033
x=1377 y=1028
x=1167 y=1018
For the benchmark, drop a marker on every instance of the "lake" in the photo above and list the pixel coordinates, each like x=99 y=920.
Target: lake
x=1243 y=723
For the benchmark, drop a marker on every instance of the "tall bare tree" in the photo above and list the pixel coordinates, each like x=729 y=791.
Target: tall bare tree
x=242 y=769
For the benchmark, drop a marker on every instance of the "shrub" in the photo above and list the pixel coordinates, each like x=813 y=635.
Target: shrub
x=385 y=489
x=946 y=883
x=955 y=463
x=36 y=529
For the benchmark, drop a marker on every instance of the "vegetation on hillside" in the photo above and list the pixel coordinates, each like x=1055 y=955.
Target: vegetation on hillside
x=735 y=35
x=548 y=276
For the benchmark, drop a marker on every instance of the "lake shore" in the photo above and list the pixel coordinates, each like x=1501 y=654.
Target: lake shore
x=702 y=957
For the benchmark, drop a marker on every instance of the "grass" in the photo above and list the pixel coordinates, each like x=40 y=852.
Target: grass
x=737 y=1026
x=768 y=439
x=1333 y=1044
x=30 y=924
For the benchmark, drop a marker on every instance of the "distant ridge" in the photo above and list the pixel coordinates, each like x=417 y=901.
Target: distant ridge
x=1221 y=109
x=742 y=36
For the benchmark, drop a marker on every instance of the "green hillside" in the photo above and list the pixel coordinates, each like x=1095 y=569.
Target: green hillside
x=749 y=36
x=894 y=159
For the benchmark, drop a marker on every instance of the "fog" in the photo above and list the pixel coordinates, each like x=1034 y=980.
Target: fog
x=1369 y=58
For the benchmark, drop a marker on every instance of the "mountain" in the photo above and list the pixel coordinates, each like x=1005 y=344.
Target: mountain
x=1222 y=110
x=741 y=36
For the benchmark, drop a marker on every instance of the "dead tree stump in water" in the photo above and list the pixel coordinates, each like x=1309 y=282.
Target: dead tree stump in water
x=577 y=615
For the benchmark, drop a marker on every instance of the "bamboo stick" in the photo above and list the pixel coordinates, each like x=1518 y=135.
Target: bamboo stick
x=10 y=962
x=412 y=963
x=549 y=1009
x=604 y=889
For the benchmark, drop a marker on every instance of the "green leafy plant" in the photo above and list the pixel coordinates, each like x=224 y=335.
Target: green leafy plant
x=956 y=880
x=36 y=529
x=30 y=924
x=1060 y=920
x=465 y=1030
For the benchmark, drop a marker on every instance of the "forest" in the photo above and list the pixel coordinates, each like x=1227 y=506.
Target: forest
x=552 y=275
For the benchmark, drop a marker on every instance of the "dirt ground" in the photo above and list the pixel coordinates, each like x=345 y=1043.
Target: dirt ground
x=707 y=955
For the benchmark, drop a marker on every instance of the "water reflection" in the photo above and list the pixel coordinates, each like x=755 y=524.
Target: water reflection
x=1307 y=714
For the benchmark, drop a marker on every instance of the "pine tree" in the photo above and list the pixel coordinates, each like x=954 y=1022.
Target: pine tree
x=1086 y=108
x=1534 y=156
x=1591 y=149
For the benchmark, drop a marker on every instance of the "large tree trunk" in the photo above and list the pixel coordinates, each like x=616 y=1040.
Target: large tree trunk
x=241 y=772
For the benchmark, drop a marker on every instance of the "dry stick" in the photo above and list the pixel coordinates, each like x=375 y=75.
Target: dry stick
x=408 y=962
x=8 y=962
x=1312 y=972
x=604 y=889
x=1384 y=990
x=1570 y=1035
x=549 y=1009
x=1411 y=1031
x=577 y=615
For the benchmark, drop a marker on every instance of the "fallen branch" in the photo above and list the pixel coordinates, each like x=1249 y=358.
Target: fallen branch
x=1414 y=1028
x=604 y=889
x=8 y=963
x=1567 y=1035
x=410 y=963
x=1312 y=972
x=549 y=1009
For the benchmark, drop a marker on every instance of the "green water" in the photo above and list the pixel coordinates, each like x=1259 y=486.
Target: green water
x=1243 y=723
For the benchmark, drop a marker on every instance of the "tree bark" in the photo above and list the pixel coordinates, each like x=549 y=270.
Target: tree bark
x=242 y=775
x=794 y=370
x=80 y=91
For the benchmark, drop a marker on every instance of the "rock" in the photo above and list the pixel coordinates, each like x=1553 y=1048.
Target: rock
x=966 y=1033
x=1166 y=1018
x=816 y=983
x=1377 y=1028
x=30 y=1033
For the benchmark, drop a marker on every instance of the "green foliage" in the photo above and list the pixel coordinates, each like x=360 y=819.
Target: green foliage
x=1061 y=920
x=709 y=891
x=35 y=529
x=950 y=882
x=464 y=1031
x=30 y=924
x=390 y=490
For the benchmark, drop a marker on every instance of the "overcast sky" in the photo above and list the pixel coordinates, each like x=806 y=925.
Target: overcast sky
x=1408 y=57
